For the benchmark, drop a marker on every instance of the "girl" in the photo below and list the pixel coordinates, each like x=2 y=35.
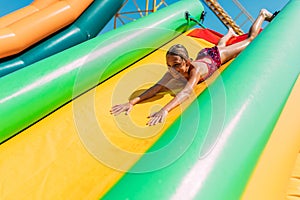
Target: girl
x=181 y=67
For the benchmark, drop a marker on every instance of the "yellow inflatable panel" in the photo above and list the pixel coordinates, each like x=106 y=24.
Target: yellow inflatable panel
x=293 y=189
x=271 y=176
x=80 y=150
x=296 y=171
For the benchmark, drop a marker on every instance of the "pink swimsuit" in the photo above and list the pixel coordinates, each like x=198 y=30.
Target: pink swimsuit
x=214 y=56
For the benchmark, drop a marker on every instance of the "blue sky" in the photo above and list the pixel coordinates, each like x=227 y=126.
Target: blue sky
x=211 y=21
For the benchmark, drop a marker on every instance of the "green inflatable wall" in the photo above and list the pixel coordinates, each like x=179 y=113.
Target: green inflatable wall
x=35 y=91
x=212 y=149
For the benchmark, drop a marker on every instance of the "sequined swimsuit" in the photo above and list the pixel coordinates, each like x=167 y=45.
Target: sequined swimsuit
x=214 y=56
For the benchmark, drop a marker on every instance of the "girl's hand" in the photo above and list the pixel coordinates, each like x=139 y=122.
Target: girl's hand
x=117 y=109
x=157 y=117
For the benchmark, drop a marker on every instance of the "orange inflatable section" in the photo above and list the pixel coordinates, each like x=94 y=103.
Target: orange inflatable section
x=24 y=12
x=21 y=29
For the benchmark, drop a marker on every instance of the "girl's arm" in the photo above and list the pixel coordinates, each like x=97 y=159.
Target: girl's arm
x=184 y=94
x=126 y=107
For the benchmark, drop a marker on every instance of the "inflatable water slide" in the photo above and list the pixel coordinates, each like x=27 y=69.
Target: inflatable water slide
x=50 y=39
x=235 y=138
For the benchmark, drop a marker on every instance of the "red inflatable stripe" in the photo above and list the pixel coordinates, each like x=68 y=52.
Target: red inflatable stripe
x=214 y=37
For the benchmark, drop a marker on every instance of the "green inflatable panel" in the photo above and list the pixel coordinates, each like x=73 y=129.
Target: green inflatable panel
x=35 y=91
x=212 y=149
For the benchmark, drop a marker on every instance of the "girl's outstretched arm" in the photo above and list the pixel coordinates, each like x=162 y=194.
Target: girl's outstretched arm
x=184 y=94
x=126 y=107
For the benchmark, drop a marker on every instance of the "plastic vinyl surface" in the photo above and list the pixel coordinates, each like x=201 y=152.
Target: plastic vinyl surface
x=237 y=115
x=18 y=35
x=293 y=191
x=54 y=81
x=15 y=16
x=217 y=154
x=82 y=29
x=61 y=154
x=272 y=173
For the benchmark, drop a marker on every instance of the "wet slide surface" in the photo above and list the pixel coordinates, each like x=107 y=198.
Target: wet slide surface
x=62 y=154
x=98 y=135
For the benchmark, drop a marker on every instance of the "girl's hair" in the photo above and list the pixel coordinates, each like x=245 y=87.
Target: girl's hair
x=179 y=50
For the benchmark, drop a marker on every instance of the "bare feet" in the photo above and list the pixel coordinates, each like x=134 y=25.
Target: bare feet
x=268 y=16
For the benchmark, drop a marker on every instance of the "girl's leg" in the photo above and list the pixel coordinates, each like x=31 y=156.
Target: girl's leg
x=225 y=38
x=231 y=51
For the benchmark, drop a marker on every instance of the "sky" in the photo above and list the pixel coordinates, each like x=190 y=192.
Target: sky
x=211 y=21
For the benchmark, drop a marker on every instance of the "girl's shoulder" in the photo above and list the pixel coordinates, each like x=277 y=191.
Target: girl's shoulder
x=200 y=67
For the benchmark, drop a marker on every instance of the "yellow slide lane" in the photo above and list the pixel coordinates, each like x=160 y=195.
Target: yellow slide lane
x=61 y=156
x=270 y=180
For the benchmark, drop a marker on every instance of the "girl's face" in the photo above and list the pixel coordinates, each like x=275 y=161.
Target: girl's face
x=176 y=66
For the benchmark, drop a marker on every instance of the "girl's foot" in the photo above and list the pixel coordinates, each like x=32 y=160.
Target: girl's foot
x=274 y=15
x=268 y=16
